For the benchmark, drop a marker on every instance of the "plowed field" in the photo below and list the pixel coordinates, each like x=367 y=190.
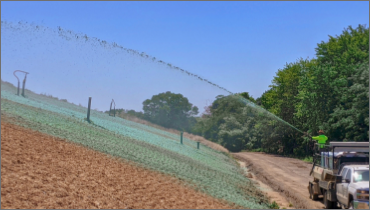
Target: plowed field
x=42 y=171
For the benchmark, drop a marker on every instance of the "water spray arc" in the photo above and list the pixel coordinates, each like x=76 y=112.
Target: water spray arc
x=24 y=81
x=250 y=103
x=67 y=34
x=70 y=35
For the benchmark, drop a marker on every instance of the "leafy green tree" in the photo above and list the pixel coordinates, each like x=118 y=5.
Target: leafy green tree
x=229 y=122
x=281 y=98
x=232 y=134
x=267 y=100
x=323 y=90
x=351 y=115
x=170 y=110
x=135 y=113
x=351 y=47
x=315 y=98
x=330 y=92
x=247 y=96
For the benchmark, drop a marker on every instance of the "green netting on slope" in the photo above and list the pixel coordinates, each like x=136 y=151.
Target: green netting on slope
x=82 y=112
x=224 y=181
x=118 y=125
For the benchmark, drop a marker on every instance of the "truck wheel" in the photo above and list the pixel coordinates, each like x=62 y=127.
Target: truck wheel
x=312 y=195
x=310 y=190
x=328 y=204
x=350 y=205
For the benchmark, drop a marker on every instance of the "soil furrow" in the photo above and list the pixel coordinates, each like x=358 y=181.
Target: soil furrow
x=42 y=171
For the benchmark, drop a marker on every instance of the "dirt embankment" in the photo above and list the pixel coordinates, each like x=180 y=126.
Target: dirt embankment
x=288 y=176
x=41 y=171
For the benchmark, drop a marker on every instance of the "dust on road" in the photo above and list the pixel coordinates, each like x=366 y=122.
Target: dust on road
x=288 y=176
x=41 y=171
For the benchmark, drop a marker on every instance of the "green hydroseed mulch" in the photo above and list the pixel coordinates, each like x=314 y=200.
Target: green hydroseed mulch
x=206 y=169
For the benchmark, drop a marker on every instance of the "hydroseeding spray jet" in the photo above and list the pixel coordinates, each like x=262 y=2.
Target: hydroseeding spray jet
x=69 y=35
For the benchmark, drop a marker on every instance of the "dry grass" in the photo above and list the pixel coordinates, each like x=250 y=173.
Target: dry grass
x=193 y=137
x=51 y=96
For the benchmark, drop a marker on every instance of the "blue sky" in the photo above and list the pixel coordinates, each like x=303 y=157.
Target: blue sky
x=237 y=45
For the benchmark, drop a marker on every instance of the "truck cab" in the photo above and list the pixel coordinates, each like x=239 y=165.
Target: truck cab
x=353 y=190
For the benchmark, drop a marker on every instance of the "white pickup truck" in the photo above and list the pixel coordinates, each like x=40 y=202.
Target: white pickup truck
x=353 y=190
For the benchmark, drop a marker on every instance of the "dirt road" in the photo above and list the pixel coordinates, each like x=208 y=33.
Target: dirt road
x=288 y=176
x=42 y=171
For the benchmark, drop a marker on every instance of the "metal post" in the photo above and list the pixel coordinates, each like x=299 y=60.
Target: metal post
x=198 y=144
x=24 y=85
x=114 y=108
x=24 y=81
x=88 y=110
x=18 y=88
x=181 y=137
x=333 y=160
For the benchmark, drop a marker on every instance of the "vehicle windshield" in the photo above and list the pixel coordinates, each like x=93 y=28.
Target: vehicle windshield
x=361 y=176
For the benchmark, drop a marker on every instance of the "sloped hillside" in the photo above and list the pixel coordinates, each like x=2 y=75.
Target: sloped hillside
x=205 y=169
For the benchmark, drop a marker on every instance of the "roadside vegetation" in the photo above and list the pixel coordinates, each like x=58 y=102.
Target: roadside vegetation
x=329 y=92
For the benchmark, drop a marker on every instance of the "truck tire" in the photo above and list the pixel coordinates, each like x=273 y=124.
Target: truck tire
x=310 y=190
x=328 y=204
x=350 y=205
x=312 y=195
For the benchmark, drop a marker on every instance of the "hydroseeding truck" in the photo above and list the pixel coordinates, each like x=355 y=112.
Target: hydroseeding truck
x=340 y=174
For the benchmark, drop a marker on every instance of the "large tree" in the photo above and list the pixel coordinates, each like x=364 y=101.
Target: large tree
x=330 y=92
x=351 y=115
x=333 y=92
x=226 y=121
x=170 y=110
x=351 y=47
x=281 y=98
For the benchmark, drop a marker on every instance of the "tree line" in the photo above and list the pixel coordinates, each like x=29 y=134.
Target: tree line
x=329 y=92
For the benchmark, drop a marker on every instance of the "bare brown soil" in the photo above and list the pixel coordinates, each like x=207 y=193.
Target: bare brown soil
x=41 y=171
x=288 y=176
